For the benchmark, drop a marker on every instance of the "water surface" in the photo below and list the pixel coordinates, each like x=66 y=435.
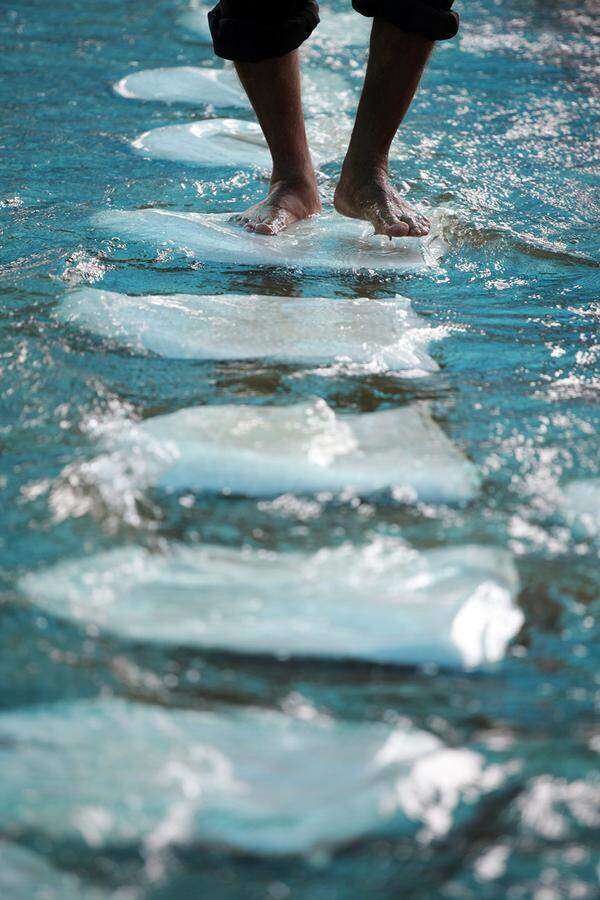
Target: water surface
x=500 y=143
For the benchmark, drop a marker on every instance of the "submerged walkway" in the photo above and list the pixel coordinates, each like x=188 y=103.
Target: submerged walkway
x=384 y=602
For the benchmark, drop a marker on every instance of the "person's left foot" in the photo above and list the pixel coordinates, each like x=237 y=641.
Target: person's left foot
x=374 y=199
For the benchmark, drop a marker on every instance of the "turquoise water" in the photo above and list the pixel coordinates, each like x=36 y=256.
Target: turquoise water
x=209 y=692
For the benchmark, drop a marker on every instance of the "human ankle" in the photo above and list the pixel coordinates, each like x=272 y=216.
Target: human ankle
x=300 y=177
x=364 y=169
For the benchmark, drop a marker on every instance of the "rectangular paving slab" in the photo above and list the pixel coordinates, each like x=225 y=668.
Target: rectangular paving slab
x=264 y=451
x=249 y=779
x=327 y=242
x=374 y=335
x=383 y=602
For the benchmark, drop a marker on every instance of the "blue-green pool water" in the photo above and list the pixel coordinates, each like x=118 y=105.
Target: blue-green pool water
x=500 y=143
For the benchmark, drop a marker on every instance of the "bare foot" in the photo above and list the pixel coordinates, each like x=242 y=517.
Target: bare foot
x=288 y=200
x=373 y=199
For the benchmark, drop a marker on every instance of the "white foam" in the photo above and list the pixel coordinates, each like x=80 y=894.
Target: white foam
x=322 y=90
x=112 y=773
x=326 y=242
x=378 y=335
x=237 y=143
x=264 y=451
x=26 y=876
x=335 y=29
x=383 y=602
x=580 y=503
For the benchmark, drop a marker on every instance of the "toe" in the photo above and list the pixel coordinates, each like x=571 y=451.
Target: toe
x=257 y=227
x=398 y=229
x=393 y=229
x=264 y=228
x=422 y=225
x=279 y=221
x=240 y=219
x=418 y=230
x=418 y=226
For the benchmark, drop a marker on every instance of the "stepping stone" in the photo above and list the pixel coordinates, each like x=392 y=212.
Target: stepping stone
x=265 y=451
x=580 y=505
x=195 y=20
x=25 y=875
x=337 y=29
x=384 y=602
x=324 y=243
x=322 y=90
x=376 y=335
x=237 y=143
x=185 y=84
x=212 y=142
x=109 y=773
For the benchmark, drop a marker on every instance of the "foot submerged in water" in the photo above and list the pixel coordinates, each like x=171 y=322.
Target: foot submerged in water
x=288 y=201
x=376 y=201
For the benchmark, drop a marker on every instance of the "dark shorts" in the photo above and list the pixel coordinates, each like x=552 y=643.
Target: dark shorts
x=253 y=30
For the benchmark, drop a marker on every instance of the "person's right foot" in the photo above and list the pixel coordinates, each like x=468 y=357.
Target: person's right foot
x=289 y=200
